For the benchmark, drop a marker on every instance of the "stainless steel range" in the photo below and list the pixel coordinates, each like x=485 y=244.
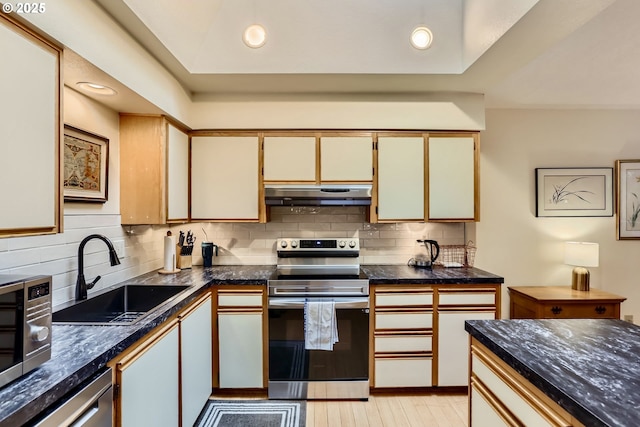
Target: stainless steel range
x=316 y=293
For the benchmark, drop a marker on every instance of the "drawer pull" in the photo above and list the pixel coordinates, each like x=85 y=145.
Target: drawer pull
x=556 y=310
x=601 y=310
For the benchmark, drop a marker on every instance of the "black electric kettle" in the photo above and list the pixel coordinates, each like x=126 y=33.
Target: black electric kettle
x=421 y=261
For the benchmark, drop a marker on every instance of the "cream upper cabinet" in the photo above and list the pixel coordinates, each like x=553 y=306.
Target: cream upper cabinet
x=154 y=171
x=177 y=174
x=453 y=178
x=30 y=133
x=224 y=178
x=290 y=158
x=346 y=159
x=401 y=178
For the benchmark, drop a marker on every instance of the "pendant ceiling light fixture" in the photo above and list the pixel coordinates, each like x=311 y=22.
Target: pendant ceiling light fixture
x=255 y=36
x=421 y=38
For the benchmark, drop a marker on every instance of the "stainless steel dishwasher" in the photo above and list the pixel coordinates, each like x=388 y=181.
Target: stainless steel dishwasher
x=90 y=406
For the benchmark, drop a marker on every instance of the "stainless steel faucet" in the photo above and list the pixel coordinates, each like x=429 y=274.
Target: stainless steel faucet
x=81 y=285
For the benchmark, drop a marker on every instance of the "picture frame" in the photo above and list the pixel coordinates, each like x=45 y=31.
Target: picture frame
x=574 y=192
x=628 y=199
x=86 y=166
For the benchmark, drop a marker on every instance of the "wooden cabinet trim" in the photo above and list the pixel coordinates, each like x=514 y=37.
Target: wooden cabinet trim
x=541 y=403
x=494 y=402
x=148 y=341
x=56 y=180
x=195 y=305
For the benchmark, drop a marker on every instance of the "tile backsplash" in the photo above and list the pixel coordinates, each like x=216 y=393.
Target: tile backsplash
x=391 y=243
x=239 y=243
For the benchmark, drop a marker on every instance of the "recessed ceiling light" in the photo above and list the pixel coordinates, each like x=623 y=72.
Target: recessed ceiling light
x=421 y=38
x=96 y=88
x=254 y=36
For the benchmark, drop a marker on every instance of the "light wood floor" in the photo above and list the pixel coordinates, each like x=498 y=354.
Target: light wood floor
x=387 y=410
x=433 y=410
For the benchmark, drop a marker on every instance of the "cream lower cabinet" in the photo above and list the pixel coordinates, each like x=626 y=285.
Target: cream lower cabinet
x=195 y=359
x=166 y=376
x=419 y=338
x=403 y=335
x=147 y=382
x=500 y=396
x=455 y=305
x=241 y=337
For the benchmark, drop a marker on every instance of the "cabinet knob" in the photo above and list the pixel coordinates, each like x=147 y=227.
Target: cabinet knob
x=600 y=309
x=556 y=310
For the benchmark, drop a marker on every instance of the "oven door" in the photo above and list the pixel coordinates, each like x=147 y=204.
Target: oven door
x=297 y=373
x=11 y=332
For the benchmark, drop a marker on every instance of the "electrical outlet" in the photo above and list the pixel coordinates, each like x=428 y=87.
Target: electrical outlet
x=118 y=245
x=628 y=318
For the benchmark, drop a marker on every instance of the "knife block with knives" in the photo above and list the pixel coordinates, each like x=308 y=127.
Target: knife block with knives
x=184 y=250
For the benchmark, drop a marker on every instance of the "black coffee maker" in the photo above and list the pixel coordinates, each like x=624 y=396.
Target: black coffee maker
x=426 y=261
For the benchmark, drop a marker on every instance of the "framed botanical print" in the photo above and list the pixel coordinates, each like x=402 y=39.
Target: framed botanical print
x=86 y=163
x=574 y=192
x=628 y=199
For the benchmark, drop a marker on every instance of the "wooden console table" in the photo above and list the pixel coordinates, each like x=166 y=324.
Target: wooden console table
x=562 y=302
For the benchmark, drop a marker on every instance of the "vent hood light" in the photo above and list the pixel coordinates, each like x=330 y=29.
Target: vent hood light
x=96 y=88
x=421 y=38
x=255 y=36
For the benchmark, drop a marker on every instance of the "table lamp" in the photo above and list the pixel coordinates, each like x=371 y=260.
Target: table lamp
x=581 y=255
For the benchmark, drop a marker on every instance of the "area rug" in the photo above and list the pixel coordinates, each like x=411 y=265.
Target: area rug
x=253 y=413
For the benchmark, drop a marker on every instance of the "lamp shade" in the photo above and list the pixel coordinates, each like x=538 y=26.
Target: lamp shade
x=582 y=254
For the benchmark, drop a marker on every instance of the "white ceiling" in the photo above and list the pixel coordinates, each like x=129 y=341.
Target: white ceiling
x=519 y=53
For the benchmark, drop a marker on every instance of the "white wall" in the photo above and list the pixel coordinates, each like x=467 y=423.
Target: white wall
x=527 y=250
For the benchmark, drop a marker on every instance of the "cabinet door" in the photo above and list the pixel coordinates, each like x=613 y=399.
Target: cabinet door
x=240 y=350
x=195 y=360
x=483 y=412
x=401 y=178
x=452 y=178
x=143 y=176
x=29 y=134
x=149 y=384
x=453 y=346
x=224 y=178
x=177 y=175
x=346 y=159
x=290 y=158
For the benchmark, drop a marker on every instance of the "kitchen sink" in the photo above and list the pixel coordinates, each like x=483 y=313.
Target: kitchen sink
x=121 y=306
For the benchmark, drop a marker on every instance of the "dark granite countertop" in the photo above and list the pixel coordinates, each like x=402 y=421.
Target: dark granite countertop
x=403 y=274
x=79 y=351
x=588 y=366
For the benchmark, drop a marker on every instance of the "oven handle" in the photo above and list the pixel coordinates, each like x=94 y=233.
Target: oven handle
x=341 y=302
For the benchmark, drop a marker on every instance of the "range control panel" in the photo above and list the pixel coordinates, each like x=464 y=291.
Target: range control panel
x=318 y=244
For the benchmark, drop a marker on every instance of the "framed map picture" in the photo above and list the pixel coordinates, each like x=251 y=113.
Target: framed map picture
x=86 y=162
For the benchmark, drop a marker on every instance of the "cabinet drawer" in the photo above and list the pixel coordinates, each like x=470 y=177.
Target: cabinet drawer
x=251 y=300
x=404 y=299
x=470 y=298
x=579 y=311
x=403 y=343
x=510 y=398
x=404 y=320
x=403 y=372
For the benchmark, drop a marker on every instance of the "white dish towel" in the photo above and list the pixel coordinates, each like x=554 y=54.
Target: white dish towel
x=320 y=325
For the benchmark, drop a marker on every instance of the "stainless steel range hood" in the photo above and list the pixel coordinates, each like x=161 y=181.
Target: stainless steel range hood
x=317 y=195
